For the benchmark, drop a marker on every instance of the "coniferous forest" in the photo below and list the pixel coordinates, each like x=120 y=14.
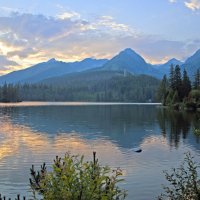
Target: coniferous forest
x=120 y=88
x=178 y=91
x=9 y=93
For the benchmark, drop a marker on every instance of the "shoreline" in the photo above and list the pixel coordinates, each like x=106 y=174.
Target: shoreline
x=67 y=103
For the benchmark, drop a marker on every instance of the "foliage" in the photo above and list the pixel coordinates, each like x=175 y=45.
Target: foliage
x=175 y=98
x=171 y=78
x=179 y=92
x=190 y=105
x=196 y=132
x=91 y=88
x=186 y=85
x=195 y=95
x=9 y=93
x=169 y=97
x=196 y=83
x=183 y=182
x=73 y=179
x=177 y=80
x=162 y=90
x=100 y=86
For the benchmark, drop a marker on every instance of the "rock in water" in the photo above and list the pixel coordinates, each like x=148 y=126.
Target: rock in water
x=137 y=150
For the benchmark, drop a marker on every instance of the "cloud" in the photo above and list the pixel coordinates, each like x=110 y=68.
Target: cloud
x=7 y=10
x=5 y=62
x=28 y=39
x=7 y=65
x=193 y=4
x=108 y=22
x=172 y=1
x=68 y=15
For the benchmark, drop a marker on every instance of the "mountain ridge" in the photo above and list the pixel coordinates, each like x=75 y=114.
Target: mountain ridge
x=165 y=67
x=51 y=68
x=192 y=64
x=127 y=60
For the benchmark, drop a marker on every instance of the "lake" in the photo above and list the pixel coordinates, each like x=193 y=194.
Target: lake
x=33 y=133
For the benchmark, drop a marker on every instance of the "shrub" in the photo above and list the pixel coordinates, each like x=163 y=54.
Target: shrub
x=169 y=97
x=176 y=106
x=183 y=182
x=196 y=132
x=175 y=98
x=73 y=179
x=190 y=105
x=195 y=94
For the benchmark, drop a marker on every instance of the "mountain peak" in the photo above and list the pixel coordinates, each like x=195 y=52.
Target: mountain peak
x=194 y=58
x=52 y=60
x=197 y=53
x=88 y=59
x=129 y=54
x=173 y=61
x=128 y=51
x=128 y=60
x=164 y=68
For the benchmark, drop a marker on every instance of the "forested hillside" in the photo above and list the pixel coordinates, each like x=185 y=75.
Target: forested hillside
x=178 y=91
x=91 y=86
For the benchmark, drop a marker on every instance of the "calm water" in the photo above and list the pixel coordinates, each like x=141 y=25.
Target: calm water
x=31 y=133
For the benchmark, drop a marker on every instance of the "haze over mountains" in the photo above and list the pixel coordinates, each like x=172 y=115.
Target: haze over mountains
x=164 y=68
x=127 y=60
x=51 y=68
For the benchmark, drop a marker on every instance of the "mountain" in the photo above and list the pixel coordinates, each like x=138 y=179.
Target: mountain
x=127 y=60
x=50 y=69
x=192 y=64
x=130 y=61
x=93 y=86
x=82 y=78
x=164 y=68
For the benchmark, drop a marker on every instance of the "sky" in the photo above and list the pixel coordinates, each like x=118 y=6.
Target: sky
x=71 y=30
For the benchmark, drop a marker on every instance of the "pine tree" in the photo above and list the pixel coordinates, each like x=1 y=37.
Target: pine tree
x=177 y=80
x=186 y=85
x=162 y=90
x=5 y=93
x=171 y=78
x=196 y=83
x=177 y=77
x=175 y=98
x=170 y=97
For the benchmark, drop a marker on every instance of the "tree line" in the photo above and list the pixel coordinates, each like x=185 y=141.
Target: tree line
x=178 y=88
x=116 y=89
x=9 y=93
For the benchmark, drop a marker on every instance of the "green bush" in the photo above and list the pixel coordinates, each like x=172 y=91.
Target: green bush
x=175 y=98
x=196 y=132
x=190 y=105
x=184 y=183
x=195 y=94
x=73 y=179
x=176 y=106
x=169 y=97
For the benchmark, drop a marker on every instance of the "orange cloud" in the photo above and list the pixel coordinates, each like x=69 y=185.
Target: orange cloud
x=193 y=4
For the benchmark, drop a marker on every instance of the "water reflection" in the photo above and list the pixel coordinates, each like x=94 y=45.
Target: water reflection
x=120 y=124
x=34 y=134
x=177 y=126
x=126 y=125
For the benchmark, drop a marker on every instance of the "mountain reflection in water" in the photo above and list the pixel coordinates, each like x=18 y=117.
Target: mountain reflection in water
x=35 y=134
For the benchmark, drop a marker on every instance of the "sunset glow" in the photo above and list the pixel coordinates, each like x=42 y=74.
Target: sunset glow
x=73 y=30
